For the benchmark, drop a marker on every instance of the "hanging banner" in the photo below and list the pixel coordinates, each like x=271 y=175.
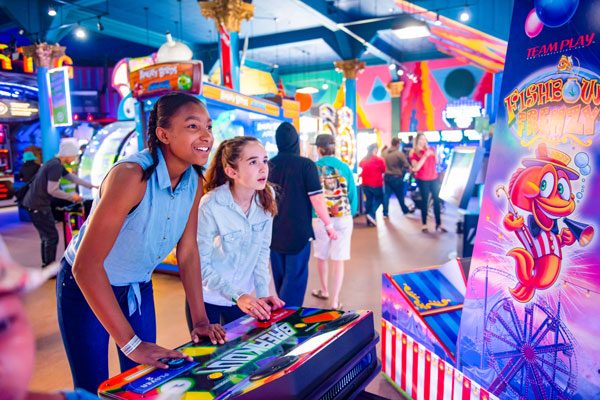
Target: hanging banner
x=225 y=40
x=158 y=79
x=530 y=325
x=60 y=97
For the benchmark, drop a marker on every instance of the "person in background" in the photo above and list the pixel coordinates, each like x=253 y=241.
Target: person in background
x=29 y=168
x=43 y=188
x=407 y=147
x=423 y=160
x=235 y=223
x=17 y=341
x=396 y=165
x=340 y=195
x=298 y=190
x=373 y=168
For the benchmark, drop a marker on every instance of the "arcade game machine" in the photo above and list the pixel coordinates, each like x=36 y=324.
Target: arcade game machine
x=233 y=114
x=6 y=170
x=458 y=188
x=300 y=353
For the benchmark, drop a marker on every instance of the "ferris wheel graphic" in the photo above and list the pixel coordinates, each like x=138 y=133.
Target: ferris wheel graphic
x=532 y=352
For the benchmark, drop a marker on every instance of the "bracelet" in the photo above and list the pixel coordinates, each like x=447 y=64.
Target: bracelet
x=328 y=227
x=131 y=345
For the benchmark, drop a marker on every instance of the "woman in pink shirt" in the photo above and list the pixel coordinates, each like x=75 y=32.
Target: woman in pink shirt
x=373 y=168
x=423 y=160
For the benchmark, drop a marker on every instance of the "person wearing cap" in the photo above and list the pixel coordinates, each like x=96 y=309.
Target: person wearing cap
x=17 y=341
x=29 y=168
x=44 y=186
x=339 y=191
x=298 y=191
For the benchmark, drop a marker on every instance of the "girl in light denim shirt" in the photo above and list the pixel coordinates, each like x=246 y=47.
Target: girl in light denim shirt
x=147 y=204
x=234 y=232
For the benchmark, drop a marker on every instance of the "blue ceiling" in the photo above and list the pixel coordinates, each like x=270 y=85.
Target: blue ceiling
x=290 y=34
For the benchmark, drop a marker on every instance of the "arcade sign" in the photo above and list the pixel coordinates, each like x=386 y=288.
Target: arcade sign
x=461 y=113
x=13 y=110
x=158 y=79
x=60 y=97
x=239 y=100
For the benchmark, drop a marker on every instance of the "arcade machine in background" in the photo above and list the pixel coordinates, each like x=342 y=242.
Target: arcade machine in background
x=6 y=172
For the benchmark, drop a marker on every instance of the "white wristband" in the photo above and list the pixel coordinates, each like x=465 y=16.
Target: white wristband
x=328 y=227
x=131 y=345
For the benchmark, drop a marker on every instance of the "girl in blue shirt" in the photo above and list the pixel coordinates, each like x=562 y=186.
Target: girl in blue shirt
x=147 y=204
x=234 y=232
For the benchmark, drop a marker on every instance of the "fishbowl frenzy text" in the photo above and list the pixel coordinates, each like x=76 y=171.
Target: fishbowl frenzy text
x=555 y=107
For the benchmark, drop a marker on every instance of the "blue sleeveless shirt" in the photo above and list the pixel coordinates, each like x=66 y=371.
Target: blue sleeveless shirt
x=150 y=232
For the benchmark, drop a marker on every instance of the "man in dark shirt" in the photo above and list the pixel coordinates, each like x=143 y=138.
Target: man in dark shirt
x=45 y=185
x=298 y=190
x=396 y=165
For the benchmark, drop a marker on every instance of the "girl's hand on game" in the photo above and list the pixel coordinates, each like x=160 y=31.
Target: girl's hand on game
x=254 y=307
x=276 y=302
x=215 y=332
x=151 y=354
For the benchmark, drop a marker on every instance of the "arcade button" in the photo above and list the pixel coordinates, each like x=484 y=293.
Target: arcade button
x=215 y=375
x=174 y=363
x=300 y=325
x=339 y=322
x=273 y=367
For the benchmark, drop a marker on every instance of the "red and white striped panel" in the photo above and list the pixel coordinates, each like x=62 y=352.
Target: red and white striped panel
x=421 y=374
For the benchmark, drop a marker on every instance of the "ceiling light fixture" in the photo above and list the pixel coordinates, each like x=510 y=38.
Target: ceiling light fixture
x=308 y=90
x=325 y=86
x=51 y=11
x=412 y=32
x=79 y=32
x=392 y=67
x=437 y=19
x=99 y=25
x=465 y=16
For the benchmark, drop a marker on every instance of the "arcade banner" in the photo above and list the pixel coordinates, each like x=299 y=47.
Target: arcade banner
x=158 y=79
x=530 y=324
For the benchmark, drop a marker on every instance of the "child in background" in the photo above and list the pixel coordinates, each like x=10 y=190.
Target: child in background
x=147 y=204
x=234 y=232
x=17 y=342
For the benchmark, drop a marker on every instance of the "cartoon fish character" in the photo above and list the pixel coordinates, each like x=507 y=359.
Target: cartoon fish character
x=565 y=63
x=543 y=190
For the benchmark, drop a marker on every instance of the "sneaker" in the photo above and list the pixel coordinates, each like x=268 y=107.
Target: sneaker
x=371 y=220
x=441 y=229
x=424 y=229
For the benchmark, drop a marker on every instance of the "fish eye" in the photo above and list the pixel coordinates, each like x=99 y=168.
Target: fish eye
x=547 y=184
x=564 y=190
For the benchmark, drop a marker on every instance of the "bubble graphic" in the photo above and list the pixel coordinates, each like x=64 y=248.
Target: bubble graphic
x=579 y=195
x=586 y=170
x=533 y=25
x=582 y=179
x=582 y=159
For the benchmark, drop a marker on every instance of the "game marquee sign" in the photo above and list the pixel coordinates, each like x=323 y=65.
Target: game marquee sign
x=158 y=79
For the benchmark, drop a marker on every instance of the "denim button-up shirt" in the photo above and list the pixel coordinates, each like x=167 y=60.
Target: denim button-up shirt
x=234 y=248
x=150 y=232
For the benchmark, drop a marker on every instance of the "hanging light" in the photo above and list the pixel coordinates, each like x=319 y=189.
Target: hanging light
x=80 y=32
x=392 y=67
x=325 y=86
x=437 y=20
x=99 y=25
x=51 y=11
x=465 y=16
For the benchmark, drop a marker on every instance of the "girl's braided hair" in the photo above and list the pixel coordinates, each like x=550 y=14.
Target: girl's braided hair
x=160 y=116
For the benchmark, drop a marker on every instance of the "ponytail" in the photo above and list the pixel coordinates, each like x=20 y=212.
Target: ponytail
x=228 y=154
x=160 y=116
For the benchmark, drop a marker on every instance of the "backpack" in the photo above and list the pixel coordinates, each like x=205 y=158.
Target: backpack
x=21 y=192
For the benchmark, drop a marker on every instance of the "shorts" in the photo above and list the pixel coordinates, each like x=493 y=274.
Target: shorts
x=339 y=250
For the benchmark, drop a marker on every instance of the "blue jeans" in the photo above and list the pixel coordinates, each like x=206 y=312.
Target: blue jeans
x=374 y=199
x=216 y=314
x=84 y=337
x=290 y=275
x=393 y=184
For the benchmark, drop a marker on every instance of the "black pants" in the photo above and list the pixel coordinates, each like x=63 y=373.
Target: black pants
x=374 y=196
x=43 y=220
x=394 y=184
x=427 y=187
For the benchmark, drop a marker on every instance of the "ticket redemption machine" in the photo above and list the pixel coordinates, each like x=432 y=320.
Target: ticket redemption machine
x=233 y=114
